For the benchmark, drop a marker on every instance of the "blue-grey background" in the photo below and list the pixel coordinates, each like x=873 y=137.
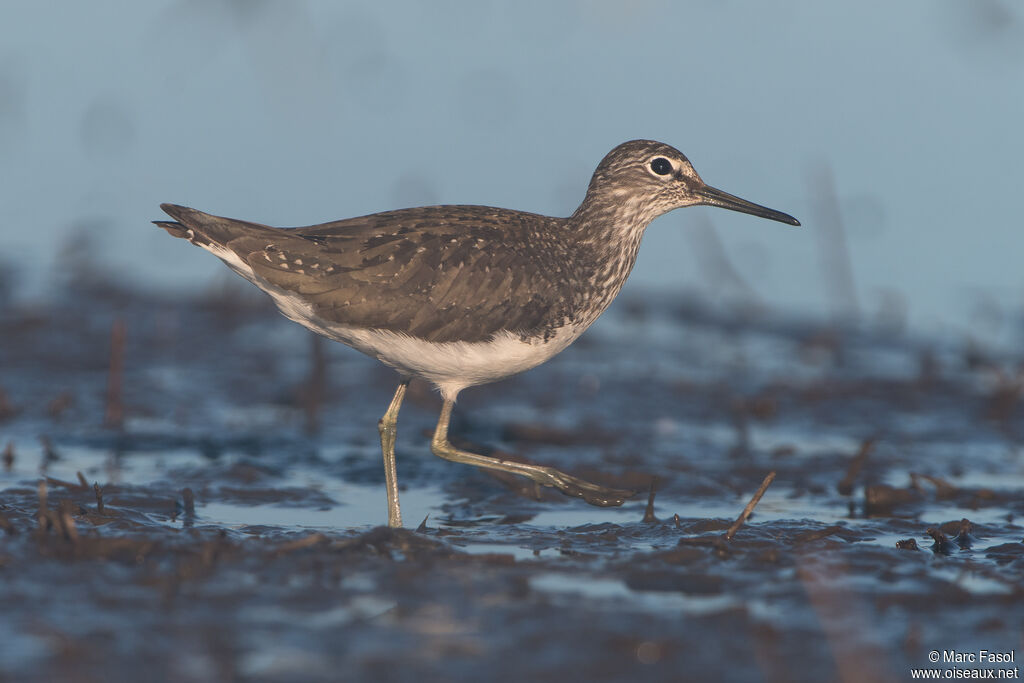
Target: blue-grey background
x=899 y=122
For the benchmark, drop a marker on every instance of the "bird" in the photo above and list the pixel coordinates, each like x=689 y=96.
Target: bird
x=464 y=295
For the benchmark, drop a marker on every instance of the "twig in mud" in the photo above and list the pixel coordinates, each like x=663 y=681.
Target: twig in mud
x=190 y=502
x=741 y=422
x=43 y=515
x=716 y=269
x=750 y=506
x=942 y=543
x=56 y=408
x=114 y=414
x=7 y=409
x=649 y=512
x=9 y=456
x=963 y=535
x=60 y=483
x=817 y=534
x=845 y=485
x=99 y=497
x=67 y=522
x=81 y=480
x=833 y=253
x=299 y=544
x=943 y=489
x=422 y=528
x=49 y=453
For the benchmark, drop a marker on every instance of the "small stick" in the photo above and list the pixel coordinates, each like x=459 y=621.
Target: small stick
x=845 y=485
x=943 y=489
x=114 y=416
x=649 y=512
x=9 y=456
x=189 y=499
x=67 y=522
x=81 y=480
x=942 y=543
x=963 y=535
x=750 y=506
x=301 y=543
x=49 y=453
x=741 y=422
x=833 y=252
x=51 y=481
x=99 y=497
x=43 y=516
x=7 y=409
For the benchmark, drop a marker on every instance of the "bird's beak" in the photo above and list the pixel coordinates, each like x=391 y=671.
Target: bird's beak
x=712 y=196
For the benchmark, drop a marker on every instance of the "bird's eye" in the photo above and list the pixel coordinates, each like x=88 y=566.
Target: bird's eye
x=661 y=166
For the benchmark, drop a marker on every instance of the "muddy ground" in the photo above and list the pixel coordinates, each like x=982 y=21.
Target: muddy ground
x=192 y=491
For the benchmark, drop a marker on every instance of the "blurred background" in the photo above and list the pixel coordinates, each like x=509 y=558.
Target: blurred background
x=892 y=130
x=189 y=484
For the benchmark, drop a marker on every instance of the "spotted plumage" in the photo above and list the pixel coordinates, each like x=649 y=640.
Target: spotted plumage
x=440 y=274
x=464 y=295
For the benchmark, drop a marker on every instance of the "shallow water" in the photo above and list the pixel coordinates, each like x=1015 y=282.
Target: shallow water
x=278 y=569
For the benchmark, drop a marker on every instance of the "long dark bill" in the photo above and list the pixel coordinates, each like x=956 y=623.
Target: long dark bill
x=714 y=197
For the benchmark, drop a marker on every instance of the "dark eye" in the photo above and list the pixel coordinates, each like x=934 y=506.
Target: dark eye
x=661 y=166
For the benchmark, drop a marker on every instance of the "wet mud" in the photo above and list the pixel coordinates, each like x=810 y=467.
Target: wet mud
x=192 y=490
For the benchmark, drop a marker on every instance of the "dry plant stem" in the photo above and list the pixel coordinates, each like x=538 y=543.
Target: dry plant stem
x=750 y=506
x=833 y=252
x=114 y=415
x=649 y=512
x=67 y=522
x=43 y=515
x=845 y=486
x=189 y=498
x=302 y=543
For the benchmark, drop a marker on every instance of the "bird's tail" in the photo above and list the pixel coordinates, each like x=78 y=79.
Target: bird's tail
x=202 y=228
x=185 y=223
x=174 y=228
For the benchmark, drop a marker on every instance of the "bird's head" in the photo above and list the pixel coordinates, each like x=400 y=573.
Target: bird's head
x=644 y=179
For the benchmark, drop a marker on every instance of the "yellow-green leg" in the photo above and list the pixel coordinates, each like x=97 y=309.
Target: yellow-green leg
x=545 y=476
x=388 y=428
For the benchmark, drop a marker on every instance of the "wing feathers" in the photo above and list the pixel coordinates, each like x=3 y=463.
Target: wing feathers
x=438 y=273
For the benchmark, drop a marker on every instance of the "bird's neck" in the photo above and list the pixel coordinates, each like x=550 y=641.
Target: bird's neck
x=612 y=223
x=608 y=229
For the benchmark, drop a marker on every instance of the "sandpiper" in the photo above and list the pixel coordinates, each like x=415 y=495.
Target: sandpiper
x=465 y=295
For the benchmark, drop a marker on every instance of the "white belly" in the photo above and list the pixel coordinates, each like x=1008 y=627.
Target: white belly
x=453 y=366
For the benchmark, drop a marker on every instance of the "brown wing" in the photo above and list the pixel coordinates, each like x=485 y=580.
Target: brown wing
x=438 y=273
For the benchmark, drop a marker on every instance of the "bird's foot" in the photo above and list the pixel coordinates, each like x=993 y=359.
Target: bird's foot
x=595 y=494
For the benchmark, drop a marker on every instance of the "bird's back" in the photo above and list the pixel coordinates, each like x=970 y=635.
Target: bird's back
x=441 y=274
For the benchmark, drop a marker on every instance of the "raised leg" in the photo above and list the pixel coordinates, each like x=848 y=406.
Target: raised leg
x=388 y=428
x=545 y=476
